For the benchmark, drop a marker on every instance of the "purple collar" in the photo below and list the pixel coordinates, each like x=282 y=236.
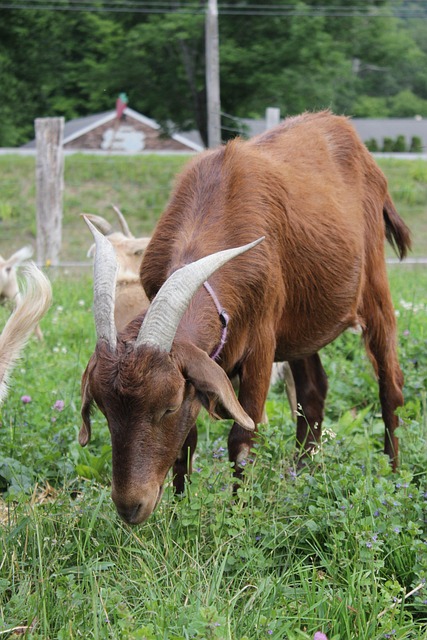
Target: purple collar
x=223 y=316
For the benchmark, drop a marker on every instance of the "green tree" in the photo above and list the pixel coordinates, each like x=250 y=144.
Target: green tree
x=386 y=59
x=406 y=104
x=74 y=63
x=53 y=63
x=161 y=64
x=370 y=107
x=9 y=135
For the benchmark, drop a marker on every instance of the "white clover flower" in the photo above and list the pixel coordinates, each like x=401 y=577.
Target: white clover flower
x=328 y=433
x=412 y=306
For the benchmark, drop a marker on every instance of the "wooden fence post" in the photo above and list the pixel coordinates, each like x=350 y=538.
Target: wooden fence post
x=49 y=188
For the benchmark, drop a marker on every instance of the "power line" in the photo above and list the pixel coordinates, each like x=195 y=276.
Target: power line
x=392 y=10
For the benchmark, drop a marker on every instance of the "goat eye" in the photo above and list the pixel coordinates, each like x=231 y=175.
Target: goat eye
x=139 y=252
x=172 y=410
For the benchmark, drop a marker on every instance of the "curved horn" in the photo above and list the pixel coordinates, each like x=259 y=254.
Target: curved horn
x=124 y=225
x=105 y=270
x=100 y=223
x=166 y=310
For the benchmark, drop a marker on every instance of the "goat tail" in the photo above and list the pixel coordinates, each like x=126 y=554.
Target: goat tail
x=396 y=231
x=31 y=307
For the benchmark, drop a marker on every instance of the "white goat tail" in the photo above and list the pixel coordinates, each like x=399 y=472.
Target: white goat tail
x=30 y=308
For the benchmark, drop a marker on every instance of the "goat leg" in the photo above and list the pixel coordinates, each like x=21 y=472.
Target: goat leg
x=311 y=386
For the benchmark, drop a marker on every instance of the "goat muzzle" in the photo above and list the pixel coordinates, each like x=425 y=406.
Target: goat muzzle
x=137 y=506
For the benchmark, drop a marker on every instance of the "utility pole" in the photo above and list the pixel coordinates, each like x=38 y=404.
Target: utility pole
x=212 y=74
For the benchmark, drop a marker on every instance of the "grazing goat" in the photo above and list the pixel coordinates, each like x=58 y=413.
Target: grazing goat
x=313 y=191
x=29 y=310
x=9 y=289
x=130 y=296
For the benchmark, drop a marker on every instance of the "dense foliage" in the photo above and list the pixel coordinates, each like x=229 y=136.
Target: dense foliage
x=70 y=58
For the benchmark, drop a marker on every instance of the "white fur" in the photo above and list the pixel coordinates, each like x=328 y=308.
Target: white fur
x=30 y=308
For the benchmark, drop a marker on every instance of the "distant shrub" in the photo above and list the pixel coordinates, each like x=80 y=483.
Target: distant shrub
x=416 y=145
x=372 y=145
x=399 y=145
x=388 y=144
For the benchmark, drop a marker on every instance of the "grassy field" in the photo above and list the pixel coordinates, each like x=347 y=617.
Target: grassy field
x=339 y=548
x=140 y=186
x=336 y=549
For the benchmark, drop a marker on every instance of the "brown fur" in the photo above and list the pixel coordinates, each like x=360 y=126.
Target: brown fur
x=314 y=191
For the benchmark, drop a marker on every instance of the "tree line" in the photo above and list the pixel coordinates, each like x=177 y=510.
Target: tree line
x=73 y=57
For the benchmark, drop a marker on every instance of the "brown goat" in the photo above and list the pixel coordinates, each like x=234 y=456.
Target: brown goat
x=311 y=188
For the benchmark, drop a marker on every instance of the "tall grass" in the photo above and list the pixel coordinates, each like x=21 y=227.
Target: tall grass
x=339 y=547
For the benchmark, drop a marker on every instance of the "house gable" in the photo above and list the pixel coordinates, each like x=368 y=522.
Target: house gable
x=133 y=133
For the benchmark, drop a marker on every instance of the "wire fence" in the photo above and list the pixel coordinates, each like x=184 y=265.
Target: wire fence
x=140 y=185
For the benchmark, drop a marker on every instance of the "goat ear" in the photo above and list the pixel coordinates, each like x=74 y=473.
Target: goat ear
x=87 y=399
x=20 y=256
x=213 y=385
x=91 y=251
x=137 y=246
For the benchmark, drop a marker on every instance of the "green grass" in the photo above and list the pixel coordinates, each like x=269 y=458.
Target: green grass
x=407 y=181
x=335 y=548
x=141 y=186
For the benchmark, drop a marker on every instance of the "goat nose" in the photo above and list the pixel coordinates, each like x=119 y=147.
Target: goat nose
x=136 y=506
x=132 y=514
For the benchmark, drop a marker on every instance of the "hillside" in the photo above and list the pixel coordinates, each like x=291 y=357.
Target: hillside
x=140 y=186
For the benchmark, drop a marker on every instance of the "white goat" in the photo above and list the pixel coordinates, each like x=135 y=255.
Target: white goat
x=30 y=308
x=9 y=288
x=130 y=296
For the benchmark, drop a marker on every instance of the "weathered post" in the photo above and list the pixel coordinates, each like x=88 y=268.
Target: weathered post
x=49 y=188
x=212 y=74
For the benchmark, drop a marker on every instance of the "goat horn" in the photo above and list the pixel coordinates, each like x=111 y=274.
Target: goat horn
x=100 y=223
x=104 y=286
x=166 y=310
x=124 y=225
